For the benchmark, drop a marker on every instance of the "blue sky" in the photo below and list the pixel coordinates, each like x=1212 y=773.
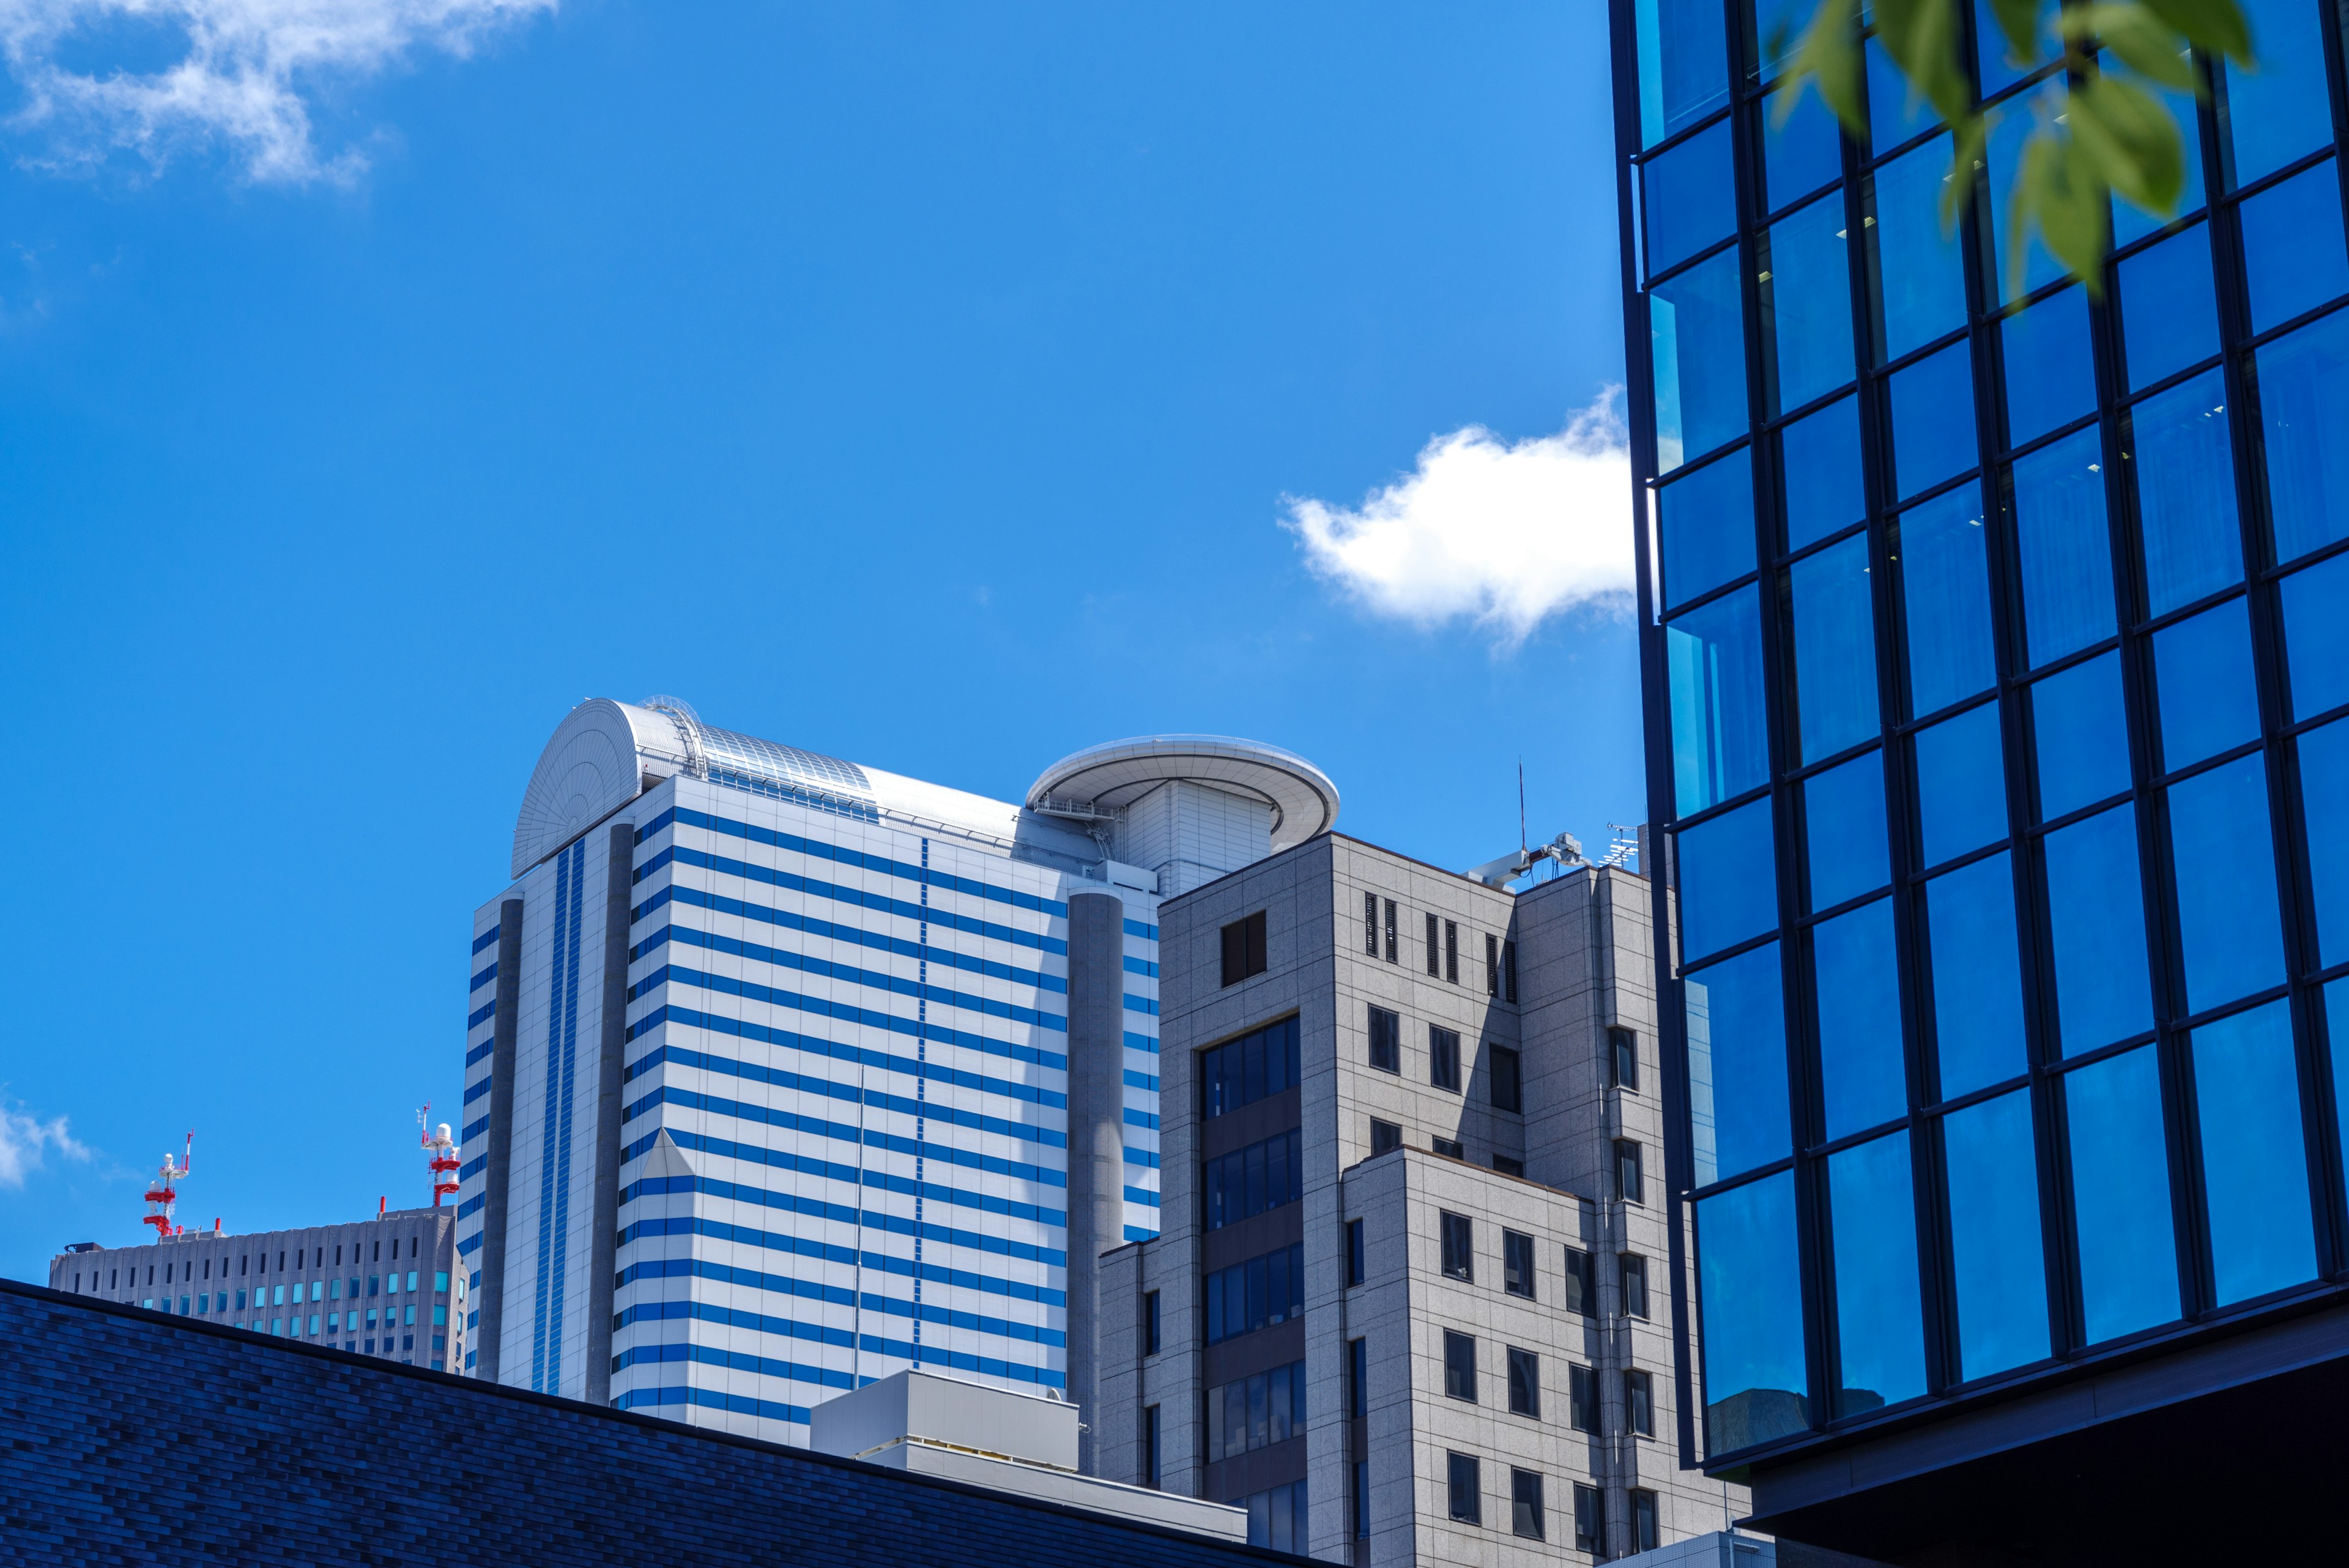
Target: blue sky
x=942 y=387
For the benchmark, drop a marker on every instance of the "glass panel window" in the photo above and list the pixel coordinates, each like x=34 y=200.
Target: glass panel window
x=1737 y=1064
x=1933 y=419
x=2120 y=1195
x=1720 y=744
x=2004 y=156
x=1921 y=279
x=1834 y=649
x=1696 y=335
x=2169 y=311
x=2066 y=545
x=2051 y=375
x=1943 y=568
x=1777 y=30
x=2337 y=1026
x=2304 y=383
x=1755 y=1371
x=1880 y=1326
x=1683 y=64
x=1687 y=198
x=1859 y=992
x=2095 y=904
x=1843 y=812
x=1729 y=883
x=2082 y=736
x=1706 y=522
x=2228 y=923
x=1806 y=294
x=2186 y=493
x=2128 y=222
x=1825 y=491
x=2292 y=247
x=2202 y=667
x=2316 y=637
x=1977 y=979
x=1961 y=784
x=2254 y=1159
x=1998 y=66
x=1994 y=1243
x=2280 y=111
x=2324 y=807
x=1801 y=155
x=1895 y=112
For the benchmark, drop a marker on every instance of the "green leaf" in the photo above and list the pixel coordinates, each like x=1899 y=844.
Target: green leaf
x=2058 y=189
x=1829 y=56
x=1969 y=137
x=2215 y=26
x=2019 y=20
x=1922 y=37
x=2130 y=140
x=2142 y=41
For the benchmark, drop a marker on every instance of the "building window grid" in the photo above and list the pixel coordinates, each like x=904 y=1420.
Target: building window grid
x=2216 y=221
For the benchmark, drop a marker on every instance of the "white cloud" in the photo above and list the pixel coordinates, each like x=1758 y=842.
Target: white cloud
x=26 y=1139
x=244 y=78
x=1505 y=535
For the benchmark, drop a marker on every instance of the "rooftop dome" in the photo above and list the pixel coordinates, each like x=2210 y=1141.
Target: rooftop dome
x=1118 y=772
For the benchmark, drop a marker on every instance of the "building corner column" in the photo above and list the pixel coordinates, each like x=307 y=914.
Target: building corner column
x=488 y=1336
x=603 y=1248
x=1096 y=1140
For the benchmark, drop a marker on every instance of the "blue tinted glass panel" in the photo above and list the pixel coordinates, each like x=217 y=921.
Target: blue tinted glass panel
x=1933 y=419
x=1894 y=112
x=2324 y=807
x=1920 y=275
x=2304 y=429
x=1683 y=64
x=1943 y=570
x=1803 y=154
x=1809 y=297
x=1879 y=1328
x=1720 y=741
x=1751 y=1317
x=2280 y=111
x=1737 y=1064
x=2050 y=376
x=1825 y=489
x=2095 y=904
x=2169 y=312
x=1835 y=648
x=1777 y=30
x=2066 y=545
x=2255 y=1156
x=1705 y=519
x=1961 y=784
x=2129 y=222
x=1844 y=810
x=1688 y=199
x=1994 y=1243
x=2316 y=636
x=1858 y=991
x=2336 y=1025
x=2203 y=669
x=2186 y=493
x=2082 y=736
x=2120 y=1195
x=1993 y=51
x=1696 y=339
x=2293 y=248
x=1729 y=884
x=2039 y=269
x=2228 y=922
x=1977 y=978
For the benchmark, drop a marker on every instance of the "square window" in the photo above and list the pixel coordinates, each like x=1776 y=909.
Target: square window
x=1630 y=1184
x=1635 y=1285
x=1525 y=1503
x=1639 y=1402
x=1244 y=954
x=1581 y=1400
x=1623 y=1059
x=1582 y=1283
x=1507 y=1077
x=1384 y=1136
x=1149 y=1323
x=1460 y=1366
x=1458 y=1238
x=1505 y=1166
x=1444 y=1058
x=1644 y=1533
x=1589 y=1520
x=1524 y=1383
x=1386 y=1040
x=1518 y=1264
x=1459 y=1478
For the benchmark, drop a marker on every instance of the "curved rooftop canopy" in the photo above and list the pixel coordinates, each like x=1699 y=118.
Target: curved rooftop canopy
x=1118 y=772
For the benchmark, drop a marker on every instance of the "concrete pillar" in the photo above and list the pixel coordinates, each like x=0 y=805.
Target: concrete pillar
x=488 y=1338
x=603 y=1238
x=1096 y=1140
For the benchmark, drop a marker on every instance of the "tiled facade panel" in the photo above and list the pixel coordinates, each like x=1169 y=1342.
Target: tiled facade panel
x=263 y=1453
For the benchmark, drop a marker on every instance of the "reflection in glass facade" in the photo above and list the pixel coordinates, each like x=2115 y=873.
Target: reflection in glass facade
x=1999 y=702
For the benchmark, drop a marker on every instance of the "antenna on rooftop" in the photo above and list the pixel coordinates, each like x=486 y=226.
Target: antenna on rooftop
x=440 y=1154
x=1521 y=806
x=163 y=1192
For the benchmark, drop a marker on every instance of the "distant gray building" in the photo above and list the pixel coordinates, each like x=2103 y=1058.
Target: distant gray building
x=386 y=1286
x=1412 y=1302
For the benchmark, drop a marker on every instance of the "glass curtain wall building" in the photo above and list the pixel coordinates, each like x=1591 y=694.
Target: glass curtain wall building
x=1996 y=683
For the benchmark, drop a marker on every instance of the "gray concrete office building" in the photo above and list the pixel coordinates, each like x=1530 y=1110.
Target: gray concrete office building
x=1412 y=1300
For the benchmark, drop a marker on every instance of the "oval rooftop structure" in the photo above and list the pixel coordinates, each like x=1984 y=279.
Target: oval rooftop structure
x=1117 y=773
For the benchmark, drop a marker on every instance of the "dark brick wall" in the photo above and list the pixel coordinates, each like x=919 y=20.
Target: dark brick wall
x=131 y=1437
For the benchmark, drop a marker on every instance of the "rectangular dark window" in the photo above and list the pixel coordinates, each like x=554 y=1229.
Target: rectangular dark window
x=1444 y=1058
x=1629 y=1186
x=1391 y=944
x=1386 y=1040
x=1251 y=1413
x=1243 y=1071
x=1459 y=1258
x=1581 y=1400
x=1635 y=1285
x=1506 y=1166
x=1452 y=952
x=1434 y=954
x=1249 y=1181
x=1370 y=924
x=1508 y=1078
x=1150 y=1447
x=1582 y=1283
x=1384 y=1136
x=1357 y=1262
x=1518 y=1264
x=1639 y=1402
x=1255 y=1294
x=1460 y=1366
x=1357 y=1378
x=1524 y=1383
x=1149 y=1323
x=1452 y=1146
x=1361 y=1499
x=1492 y=964
x=1644 y=1536
x=1244 y=948
x=1509 y=971
x=1460 y=1480
x=1622 y=1059
x=1525 y=1503
x=1589 y=1520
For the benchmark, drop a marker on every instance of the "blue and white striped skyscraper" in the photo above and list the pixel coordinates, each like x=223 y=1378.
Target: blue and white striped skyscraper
x=784 y=1073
